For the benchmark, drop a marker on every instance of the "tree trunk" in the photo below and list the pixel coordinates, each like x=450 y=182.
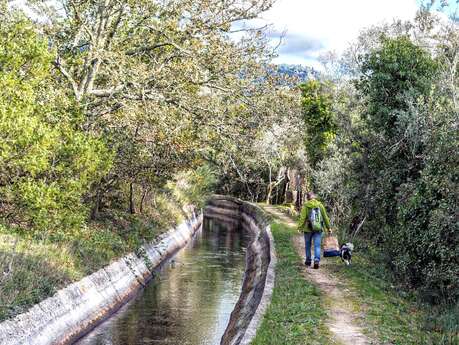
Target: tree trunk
x=299 y=192
x=288 y=195
x=131 y=198
x=270 y=187
x=284 y=185
x=96 y=207
x=277 y=195
x=268 y=194
x=299 y=198
x=142 y=200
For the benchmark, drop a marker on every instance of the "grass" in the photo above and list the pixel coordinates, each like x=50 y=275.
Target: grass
x=34 y=269
x=296 y=314
x=386 y=312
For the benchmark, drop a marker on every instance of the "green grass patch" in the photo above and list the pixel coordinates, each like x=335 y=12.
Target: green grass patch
x=389 y=313
x=296 y=314
x=386 y=311
x=33 y=268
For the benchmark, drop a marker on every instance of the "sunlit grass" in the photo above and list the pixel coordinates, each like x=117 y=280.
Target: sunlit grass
x=33 y=269
x=385 y=311
x=296 y=314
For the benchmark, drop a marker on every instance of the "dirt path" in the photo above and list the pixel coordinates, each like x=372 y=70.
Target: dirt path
x=341 y=322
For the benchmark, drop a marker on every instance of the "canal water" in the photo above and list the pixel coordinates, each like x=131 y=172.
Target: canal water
x=190 y=300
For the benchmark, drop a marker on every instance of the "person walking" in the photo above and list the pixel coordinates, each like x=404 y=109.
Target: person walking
x=312 y=222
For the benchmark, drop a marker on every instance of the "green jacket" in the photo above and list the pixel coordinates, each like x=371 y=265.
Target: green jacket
x=303 y=221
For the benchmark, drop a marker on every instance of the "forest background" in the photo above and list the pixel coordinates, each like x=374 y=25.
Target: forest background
x=114 y=115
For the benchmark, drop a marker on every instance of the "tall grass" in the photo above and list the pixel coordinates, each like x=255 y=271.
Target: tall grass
x=33 y=268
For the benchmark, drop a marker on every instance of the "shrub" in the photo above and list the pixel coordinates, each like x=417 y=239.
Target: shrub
x=47 y=163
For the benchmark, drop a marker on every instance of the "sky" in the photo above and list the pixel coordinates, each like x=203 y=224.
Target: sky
x=313 y=27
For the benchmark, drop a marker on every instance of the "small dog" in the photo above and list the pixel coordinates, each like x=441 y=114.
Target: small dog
x=346 y=253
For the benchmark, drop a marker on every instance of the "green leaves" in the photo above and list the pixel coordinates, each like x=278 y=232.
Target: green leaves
x=46 y=163
x=392 y=75
x=395 y=164
x=193 y=187
x=319 y=118
x=411 y=196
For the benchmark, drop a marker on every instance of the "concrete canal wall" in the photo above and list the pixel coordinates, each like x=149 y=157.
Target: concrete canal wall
x=76 y=309
x=259 y=275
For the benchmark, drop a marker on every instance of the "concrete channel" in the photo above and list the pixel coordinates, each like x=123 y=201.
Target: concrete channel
x=82 y=306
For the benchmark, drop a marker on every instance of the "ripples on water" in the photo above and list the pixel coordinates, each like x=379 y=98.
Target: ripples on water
x=190 y=301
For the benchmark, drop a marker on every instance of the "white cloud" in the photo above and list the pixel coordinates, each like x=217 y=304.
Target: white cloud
x=314 y=27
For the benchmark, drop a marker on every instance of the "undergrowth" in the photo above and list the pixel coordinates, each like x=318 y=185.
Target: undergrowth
x=34 y=268
x=390 y=313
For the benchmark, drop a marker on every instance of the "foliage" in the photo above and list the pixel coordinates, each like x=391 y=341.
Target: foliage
x=47 y=162
x=102 y=103
x=384 y=310
x=391 y=167
x=156 y=80
x=411 y=197
x=193 y=187
x=428 y=223
x=166 y=83
x=391 y=315
x=64 y=259
x=318 y=117
x=254 y=153
x=332 y=180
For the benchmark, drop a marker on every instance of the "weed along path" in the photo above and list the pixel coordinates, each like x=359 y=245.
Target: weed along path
x=341 y=322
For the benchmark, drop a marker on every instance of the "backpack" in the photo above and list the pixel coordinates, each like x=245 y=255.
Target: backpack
x=315 y=219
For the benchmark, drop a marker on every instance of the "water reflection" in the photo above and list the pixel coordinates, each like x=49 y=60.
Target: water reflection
x=190 y=302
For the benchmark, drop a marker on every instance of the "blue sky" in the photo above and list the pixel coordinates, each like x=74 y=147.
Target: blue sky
x=314 y=27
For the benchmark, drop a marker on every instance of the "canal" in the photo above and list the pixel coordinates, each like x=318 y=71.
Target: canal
x=190 y=300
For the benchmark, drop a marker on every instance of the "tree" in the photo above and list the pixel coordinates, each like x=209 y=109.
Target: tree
x=157 y=77
x=254 y=146
x=395 y=78
x=391 y=167
x=318 y=118
x=47 y=162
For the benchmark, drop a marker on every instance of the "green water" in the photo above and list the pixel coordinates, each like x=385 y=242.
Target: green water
x=189 y=302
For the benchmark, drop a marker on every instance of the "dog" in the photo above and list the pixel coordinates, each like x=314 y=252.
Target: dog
x=346 y=253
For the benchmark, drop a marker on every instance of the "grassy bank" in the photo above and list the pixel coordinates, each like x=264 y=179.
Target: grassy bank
x=296 y=314
x=34 y=264
x=35 y=268
x=386 y=311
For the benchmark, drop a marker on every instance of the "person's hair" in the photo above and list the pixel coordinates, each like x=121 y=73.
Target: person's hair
x=310 y=195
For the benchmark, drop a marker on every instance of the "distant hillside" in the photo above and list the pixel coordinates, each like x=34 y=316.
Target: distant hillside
x=303 y=73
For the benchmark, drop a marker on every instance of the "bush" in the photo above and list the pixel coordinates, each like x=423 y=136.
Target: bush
x=429 y=231
x=412 y=163
x=397 y=164
x=47 y=163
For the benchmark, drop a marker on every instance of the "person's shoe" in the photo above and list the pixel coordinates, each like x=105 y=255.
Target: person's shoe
x=316 y=264
x=307 y=262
